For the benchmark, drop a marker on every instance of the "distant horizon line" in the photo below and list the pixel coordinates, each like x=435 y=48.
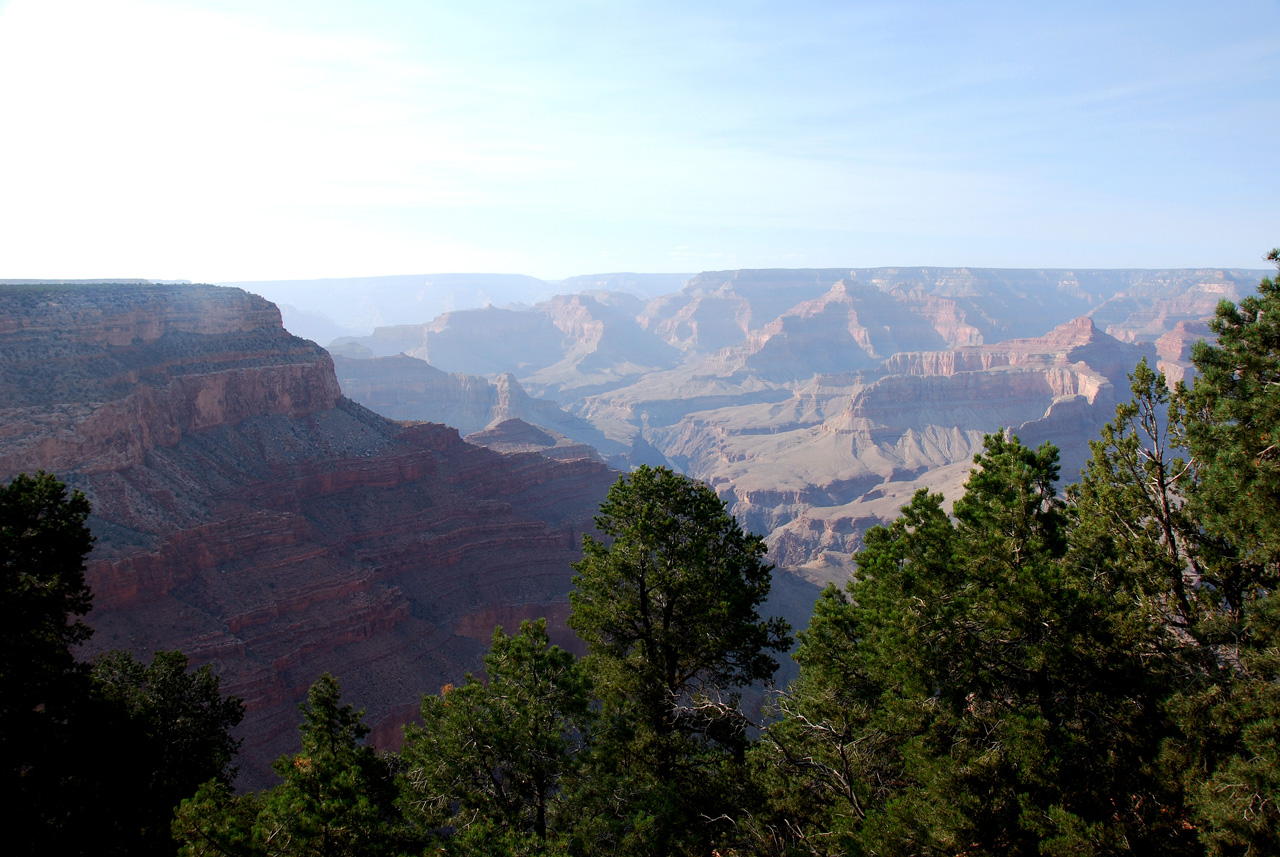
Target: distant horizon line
x=15 y=281
x=1071 y=268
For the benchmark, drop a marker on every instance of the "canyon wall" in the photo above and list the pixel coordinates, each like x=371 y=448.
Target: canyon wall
x=817 y=401
x=250 y=515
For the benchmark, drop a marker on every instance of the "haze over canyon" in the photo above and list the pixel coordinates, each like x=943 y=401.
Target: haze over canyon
x=814 y=401
x=374 y=509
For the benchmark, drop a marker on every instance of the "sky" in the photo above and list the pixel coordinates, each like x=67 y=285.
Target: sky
x=222 y=141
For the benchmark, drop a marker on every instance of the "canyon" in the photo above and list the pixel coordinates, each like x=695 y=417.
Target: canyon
x=815 y=401
x=249 y=514
x=373 y=510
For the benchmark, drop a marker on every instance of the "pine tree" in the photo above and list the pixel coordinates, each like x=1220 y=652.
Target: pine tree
x=44 y=690
x=492 y=759
x=337 y=795
x=337 y=798
x=159 y=733
x=1230 y=713
x=668 y=608
x=978 y=690
x=1184 y=488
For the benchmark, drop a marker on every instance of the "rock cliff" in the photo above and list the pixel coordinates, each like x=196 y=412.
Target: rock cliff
x=516 y=435
x=250 y=515
x=817 y=400
x=822 y=461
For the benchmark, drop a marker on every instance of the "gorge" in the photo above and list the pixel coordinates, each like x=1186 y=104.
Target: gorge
x=815 y=401
x=279 y=512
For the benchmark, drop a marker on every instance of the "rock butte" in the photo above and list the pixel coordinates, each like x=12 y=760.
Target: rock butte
x=815 y=401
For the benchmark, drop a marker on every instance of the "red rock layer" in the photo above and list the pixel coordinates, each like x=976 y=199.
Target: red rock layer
x=250 y=516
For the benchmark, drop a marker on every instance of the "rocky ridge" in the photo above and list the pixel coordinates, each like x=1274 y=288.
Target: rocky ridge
x=408 y=388
x=843 y=453
x=516 y=435
x=818 y=400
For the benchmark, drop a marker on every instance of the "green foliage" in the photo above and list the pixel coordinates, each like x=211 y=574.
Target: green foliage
x=337 y=797
x=824 y=762
x=1132 y=505
x=159 y=732
x=1229 y=706
x=43 y=545
x=95 y=757
x=668 y=606
x=491 y=760
x=215 y=823
x=1183 y=488
x=668 y=610
x=1234 y=730
x=1235 y=409
x=185 y=721
x=976 y=691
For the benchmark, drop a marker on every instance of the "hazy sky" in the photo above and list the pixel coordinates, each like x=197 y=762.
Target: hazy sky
x=253 y=140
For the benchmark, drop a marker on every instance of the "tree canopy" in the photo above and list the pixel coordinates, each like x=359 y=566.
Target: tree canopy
x=495 y=758
x=43 y=545
x=96 y=756
x=336 y=796
x=975 y=690
x=668 y=607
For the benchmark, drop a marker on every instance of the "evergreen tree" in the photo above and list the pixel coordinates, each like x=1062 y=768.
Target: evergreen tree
x=95 y=757
x=1132 y=505
x=1230 y=711
x=825 y=761
x=214 y=822
x=1234 y=410
x=979 y=690
x=43 y=545
x=337 y=796
x=160 y=732
x=1184 y=487
x=668 y=608
x=491 y=759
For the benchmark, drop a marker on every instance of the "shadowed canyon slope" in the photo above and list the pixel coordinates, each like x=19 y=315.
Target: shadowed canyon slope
x=249 y=514
x=815 y=401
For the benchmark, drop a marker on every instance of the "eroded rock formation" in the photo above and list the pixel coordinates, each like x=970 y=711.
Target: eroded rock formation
x=250 y=515
x=818 y=400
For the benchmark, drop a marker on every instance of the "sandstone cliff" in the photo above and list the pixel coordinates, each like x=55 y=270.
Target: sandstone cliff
x=250 y=515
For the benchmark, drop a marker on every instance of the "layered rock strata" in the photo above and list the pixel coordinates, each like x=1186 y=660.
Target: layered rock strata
x=817 y=400
x=844 y=452
x=251 y=516
x=516 y=435
x=409 y=388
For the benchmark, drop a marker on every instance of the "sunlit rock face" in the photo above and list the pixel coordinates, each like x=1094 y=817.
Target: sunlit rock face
x=96 y=376
x=843 y=453
x=251 y=516
x=817 y=401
